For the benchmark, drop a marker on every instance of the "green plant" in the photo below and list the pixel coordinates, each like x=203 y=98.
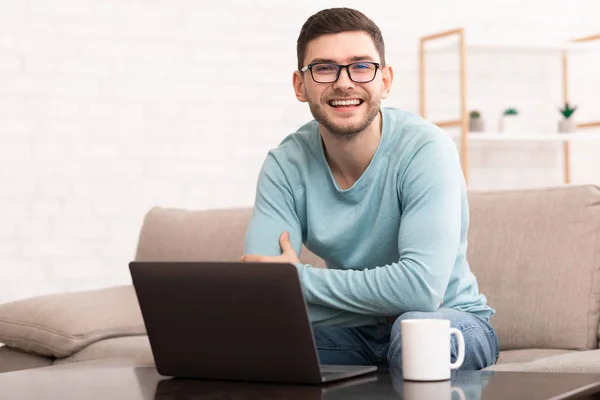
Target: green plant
x=475 y=114
x=511 y=111
x=567 y=111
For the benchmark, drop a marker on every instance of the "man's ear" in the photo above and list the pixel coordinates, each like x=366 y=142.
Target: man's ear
x=386 y=82
x=298 y=81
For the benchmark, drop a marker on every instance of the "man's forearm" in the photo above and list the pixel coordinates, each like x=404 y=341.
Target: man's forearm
x=325 y=316
x=385 y=291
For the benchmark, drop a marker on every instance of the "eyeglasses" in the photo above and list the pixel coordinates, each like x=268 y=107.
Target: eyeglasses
x=359 y=72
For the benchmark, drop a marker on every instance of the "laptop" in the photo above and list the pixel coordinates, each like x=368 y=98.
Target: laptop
x=231 y=321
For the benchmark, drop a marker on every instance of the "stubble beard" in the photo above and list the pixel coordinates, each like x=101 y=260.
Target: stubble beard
x=345 y=132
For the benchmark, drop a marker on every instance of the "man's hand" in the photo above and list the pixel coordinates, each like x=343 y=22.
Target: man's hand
x=288 y=253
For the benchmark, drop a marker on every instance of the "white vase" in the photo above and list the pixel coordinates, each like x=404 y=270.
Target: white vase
x=510 y=124
x=567 y=125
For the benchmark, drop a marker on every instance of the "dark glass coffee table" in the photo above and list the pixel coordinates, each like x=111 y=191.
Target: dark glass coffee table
x=120 y=379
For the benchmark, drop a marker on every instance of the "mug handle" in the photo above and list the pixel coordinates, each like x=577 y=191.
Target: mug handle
x=461 y=348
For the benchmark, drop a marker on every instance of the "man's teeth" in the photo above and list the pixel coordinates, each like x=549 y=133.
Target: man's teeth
x=336 y=103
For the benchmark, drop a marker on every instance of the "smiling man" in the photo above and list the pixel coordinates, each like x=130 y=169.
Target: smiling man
x=376 y=192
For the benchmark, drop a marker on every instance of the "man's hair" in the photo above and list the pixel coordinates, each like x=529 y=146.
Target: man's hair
x=337 y=20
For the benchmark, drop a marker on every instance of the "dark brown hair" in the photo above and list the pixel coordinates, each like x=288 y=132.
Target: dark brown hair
x=337 y=20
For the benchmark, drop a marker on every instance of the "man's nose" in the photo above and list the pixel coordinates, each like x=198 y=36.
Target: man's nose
x=344 y=80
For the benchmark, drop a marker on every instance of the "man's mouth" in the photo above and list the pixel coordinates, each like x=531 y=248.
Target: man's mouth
x=345 y=103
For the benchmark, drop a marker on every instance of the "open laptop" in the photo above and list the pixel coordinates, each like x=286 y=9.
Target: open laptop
x=231 y=321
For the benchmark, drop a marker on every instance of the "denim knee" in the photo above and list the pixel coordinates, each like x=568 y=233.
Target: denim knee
x=482 y=347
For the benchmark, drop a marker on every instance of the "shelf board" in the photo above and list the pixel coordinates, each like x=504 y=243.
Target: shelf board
x=445 y=46
x=528 y=137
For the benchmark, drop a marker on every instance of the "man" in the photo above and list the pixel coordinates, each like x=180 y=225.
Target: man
x=376 y=192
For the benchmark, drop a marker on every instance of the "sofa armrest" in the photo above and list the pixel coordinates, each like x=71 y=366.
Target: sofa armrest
x=16 y=360
x=58 y=325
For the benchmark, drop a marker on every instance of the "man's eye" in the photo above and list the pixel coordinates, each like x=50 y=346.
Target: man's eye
x=362 y=66
x=324 y=68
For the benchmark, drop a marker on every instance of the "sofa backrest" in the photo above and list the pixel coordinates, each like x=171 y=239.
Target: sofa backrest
x=169 y=234
x=535 y=253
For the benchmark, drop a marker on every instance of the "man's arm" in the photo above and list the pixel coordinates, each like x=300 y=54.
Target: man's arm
x=275 y=213
x=429 y=239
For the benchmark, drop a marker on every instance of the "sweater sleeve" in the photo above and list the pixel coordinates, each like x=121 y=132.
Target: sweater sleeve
x=431 y=189
x=274 y=213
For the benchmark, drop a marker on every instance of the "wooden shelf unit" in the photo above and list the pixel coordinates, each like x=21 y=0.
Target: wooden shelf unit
x=462 y=122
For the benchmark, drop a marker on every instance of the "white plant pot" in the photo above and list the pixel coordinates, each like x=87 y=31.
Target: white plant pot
x=476 y=125
x=511 y=124
x=567 y=125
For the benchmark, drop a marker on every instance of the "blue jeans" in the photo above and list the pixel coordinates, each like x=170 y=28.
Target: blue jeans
x=381 y=344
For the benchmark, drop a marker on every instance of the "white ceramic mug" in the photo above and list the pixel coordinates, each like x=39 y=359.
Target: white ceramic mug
x=426 y=349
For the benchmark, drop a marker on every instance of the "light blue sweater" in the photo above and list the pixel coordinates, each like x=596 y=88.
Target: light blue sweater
x=394 y=242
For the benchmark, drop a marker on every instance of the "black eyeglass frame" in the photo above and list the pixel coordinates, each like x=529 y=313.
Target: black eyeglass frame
x=339 y=70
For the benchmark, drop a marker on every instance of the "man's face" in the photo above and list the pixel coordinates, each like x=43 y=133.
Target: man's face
x=345 y=108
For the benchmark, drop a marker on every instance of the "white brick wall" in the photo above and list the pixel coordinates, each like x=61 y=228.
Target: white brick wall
x=109 y=107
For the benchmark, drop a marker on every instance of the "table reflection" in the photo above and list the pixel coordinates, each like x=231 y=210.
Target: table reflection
x=384 y=384
x=463 y=385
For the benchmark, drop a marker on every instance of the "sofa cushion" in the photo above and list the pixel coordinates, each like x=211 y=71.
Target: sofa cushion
x=516 y=360
x=536 y=255
x=528 y=355
x=578 y=362
x=206 y=235
x=61 y=324
x=510 y=367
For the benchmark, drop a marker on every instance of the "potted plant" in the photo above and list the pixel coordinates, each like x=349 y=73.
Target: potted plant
x=567 y=124
x=510 y=121
x=475 y=122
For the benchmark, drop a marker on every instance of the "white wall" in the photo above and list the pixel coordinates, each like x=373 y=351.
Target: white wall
x=109 y=107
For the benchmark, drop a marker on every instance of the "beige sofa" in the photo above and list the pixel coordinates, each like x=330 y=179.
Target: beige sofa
x=536 y=253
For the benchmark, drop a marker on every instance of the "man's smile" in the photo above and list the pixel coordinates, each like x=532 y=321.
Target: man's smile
x=345 y=104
